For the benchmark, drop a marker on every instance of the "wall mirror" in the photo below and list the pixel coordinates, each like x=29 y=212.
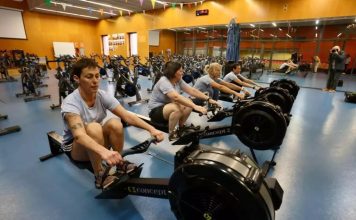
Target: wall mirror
x=271 y=43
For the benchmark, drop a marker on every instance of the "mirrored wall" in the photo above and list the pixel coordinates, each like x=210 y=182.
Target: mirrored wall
x=271 y=43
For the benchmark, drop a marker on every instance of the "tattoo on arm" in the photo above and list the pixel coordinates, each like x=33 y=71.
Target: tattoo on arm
x=76 y=126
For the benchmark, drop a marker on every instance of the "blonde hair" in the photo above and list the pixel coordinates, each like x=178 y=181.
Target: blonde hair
x=209 y=69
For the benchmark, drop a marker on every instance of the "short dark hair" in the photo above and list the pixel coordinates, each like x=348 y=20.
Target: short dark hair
x=233 y=66
x=82 y=64
x=171 y=68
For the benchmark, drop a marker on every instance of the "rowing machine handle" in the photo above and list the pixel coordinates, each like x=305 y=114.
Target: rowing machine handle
x=140 y=148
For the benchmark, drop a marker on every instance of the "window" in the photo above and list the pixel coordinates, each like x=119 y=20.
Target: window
x=133 y=44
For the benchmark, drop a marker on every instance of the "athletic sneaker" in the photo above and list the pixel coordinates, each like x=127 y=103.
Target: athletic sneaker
x=100 y=183
x=126 y=167
x=174 y=135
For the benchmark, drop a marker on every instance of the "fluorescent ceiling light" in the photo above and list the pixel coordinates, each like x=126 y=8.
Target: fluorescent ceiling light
x=262 y=30
x=274 y=24
x=203 y=28
x=316 y=27
x=316 y=34
x=288 y=35
x=84 y=8
x=252 y=25
x=162 y=3
x=339 y=34
x=66 y=13
x=280 y=29
x=317 y=22
x=106 y=5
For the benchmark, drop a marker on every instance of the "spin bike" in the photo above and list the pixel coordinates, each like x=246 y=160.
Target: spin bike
x=124 y=85
x=65 y=86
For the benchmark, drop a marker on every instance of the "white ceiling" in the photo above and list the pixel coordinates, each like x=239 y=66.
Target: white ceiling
x=95 y=9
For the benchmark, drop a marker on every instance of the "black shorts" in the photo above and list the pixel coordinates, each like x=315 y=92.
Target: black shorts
x=67 y=145
x=156 y=115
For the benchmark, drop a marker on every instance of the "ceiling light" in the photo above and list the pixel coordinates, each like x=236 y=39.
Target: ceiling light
x=262 y=30
x=339 y=35
x=106 y=5
x=162 y=3
x=67 y=13
x=288 y=35
x=317 y=22
x=274 y=24
x=203 y=28
x=280 y=29
x=252 y=25
x=316 y=27
x=84 y=8
x=316 y=34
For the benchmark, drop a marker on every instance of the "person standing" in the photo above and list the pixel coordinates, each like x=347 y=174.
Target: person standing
x=336 y=67
x=316 y=63
x=347 y=62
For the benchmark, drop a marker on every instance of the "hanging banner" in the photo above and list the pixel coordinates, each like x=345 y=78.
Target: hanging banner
x=153 y=3
x=90 y=10
x=48 y=2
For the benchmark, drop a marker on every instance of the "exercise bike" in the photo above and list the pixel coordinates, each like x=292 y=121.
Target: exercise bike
x=4 y=73
x=30 y=84
x=65 y=86
x=207 y=183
